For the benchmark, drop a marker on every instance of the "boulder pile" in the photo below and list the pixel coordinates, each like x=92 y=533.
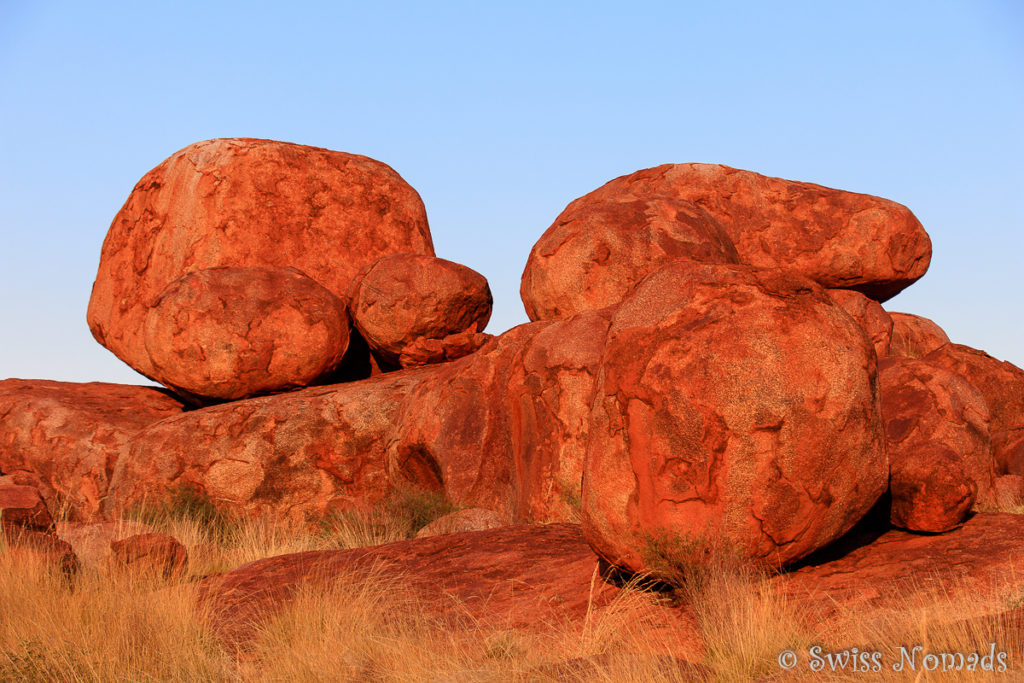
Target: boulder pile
x=709 y=368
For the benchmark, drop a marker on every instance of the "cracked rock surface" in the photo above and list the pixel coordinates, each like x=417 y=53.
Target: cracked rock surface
x=937 y=437
x=242 y=202
x=609 y=239
x=231 y=333
x=736 y=407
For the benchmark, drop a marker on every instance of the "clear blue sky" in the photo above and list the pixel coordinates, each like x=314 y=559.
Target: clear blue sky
x=499 y=116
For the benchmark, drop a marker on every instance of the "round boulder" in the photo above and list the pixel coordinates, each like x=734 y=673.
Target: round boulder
x=596 y=250
x=240 y=202
x=934 y=418
x=231 y=333
x=403 y=301
x=735 y=407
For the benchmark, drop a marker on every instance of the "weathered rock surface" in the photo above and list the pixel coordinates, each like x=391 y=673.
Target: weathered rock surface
x=514 y=576
x=937 y=436
x=152 y=552
x=597 y=250
x=242 y=202
x=735 y=406
x=899 y=568
x=409 y=300
x=931 y=486
x=65 y=438
x=291 y=455
x=839 y=239
x=914 y=336
x=21 y=507
x=1002 y=385
x=425 y=351
x=869 y=314
x=505 y=429
x=231 y=333
x=470 y=519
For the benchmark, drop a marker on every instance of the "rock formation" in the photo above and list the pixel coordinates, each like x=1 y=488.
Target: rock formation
x=241 y=203
x=230 y=333
x=839 y=239
x=403 y=302
x=735 y=406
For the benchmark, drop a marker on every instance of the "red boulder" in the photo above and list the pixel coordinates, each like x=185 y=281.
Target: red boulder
x=735 y=407
x=65 y=439
x=21 y=507
x=292 y=455
x=603 y=244
x=407 y=301
x=157 y=553
x=505 y=429
x=935 y=418
x=839 y=239
x=231 y=333
x=914 y=336
x=241 y=202
x=1002 y=385
x=869 y=314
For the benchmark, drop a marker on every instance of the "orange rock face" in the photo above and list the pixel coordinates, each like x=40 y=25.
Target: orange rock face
x=1002 y=385
x=734 y=406
x=604 y=243
x=230 y=333
x=512 y=577
x=839 y=239
x=869 y=314
x=410 y=300
x=65 y=439
x=505 y=429
x=248 y=203
x=291 y=455
x=914 y=336
x=940 y=451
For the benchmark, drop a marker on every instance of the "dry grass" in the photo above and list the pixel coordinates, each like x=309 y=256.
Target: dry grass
x=121 y=626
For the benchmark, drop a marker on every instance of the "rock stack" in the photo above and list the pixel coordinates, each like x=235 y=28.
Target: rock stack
x=708 y=367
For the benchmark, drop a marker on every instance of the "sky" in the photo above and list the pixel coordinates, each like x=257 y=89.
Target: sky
x=500 y=114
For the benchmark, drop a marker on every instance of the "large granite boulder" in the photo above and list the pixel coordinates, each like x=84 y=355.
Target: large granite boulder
x=231 y=333
x=839 y=239
x=403 y=302
x=65 y=439
x=240 y=202
x=294 y=456
x=736 y=411
x=505 y=429
x=940 y=451
x=1002 y=385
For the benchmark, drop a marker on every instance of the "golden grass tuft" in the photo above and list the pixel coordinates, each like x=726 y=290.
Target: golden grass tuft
x=117 y=625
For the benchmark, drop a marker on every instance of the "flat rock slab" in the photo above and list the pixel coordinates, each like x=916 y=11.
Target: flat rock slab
x=514 y=576
x=983 y=555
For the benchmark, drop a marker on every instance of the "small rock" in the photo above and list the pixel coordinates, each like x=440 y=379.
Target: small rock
x=470 y=519
x=405 y=299
x=158 y=553
x=91 y=540
x=46 y=547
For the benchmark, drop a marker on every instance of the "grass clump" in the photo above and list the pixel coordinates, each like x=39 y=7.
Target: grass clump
x=186 y=504
x=396 y=518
